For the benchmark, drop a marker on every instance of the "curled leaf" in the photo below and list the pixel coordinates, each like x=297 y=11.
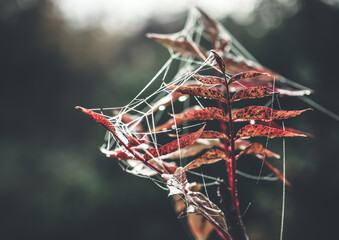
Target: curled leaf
x=203 y=92
x=210 y=80
x=209 y=157
x=174 y=145
x=265 y=113
x=256 y=130
x=252 y=92
x=257 y=148
x=184 y=47
x=199 y=203
x=210 y=27
x=98 y=118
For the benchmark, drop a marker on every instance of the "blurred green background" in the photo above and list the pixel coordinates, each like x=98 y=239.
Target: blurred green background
x=54 y=182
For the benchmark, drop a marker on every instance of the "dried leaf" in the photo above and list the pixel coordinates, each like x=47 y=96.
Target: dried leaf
x=200 y=227
x=184 y=47
x=177 y=183
x=256 y=130
x=138 y=168
x=249 y=76
x=265 y=114
x=257 y=148
x=174 y=145
x=210 y=80
x=210 y=27
x=198 y=146
x=203 y=92
x=211 y=156
x=220 y=61
x=252 y=92
x=199 y=203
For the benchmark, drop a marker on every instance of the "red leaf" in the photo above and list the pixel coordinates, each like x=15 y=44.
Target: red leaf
x=207 y=135
x=276 y=172
x=210 y=113
x=256 y=130
x=184 y=47
x=98 y=118
x=265 y=113
x=253 y=92
x=276 y=125
x=174 y=145
x=199 y=92
x=210 y=27
x=198 y=146
x=257 y=148
x=170 y=123
x=211 y=156
x=209 y=80
x=249 y=76
x=220 y=61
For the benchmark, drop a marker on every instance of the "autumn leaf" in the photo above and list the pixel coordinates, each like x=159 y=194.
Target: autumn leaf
x=249 y=76
x=276 y=172
x=220 y=61
x=256 y=130
x=184 y=47
x=166 y=100
x=210 y=27
x=211 y=156
x=252 y=92
x=174 y=145
x=265 y=113
x=207 y=135
x=199 y=203
x=210 y=80
x=98 y=118
x=197 y=147
x=134 y=142
x=199 y=92
x=257 y=148
x=209 y=113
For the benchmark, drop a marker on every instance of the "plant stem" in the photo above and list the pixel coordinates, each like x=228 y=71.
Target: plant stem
x=238 y=229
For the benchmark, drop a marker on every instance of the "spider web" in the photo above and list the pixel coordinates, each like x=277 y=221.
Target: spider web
x=154 y=101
